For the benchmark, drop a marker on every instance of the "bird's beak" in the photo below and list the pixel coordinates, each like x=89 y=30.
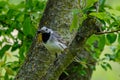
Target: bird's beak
x=39 y=31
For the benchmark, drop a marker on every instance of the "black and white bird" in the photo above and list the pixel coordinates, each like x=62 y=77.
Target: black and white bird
x=51 y=40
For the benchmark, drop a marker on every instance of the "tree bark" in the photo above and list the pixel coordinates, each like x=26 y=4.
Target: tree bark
x=39 y=64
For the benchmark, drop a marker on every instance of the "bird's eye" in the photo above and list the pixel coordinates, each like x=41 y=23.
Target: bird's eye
x=46 y=29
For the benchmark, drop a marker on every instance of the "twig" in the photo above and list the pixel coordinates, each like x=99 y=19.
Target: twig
x=107 y=32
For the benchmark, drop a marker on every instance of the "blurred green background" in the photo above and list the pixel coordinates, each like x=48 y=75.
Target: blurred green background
x=10 y=57
x=114 y=74
x=101 y=74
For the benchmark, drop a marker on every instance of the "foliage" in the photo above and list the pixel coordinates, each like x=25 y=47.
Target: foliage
x=107 y=35
x=110 y=28
x=18 y=24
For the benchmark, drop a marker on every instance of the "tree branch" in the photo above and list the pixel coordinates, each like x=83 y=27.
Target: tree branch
x=107 y=32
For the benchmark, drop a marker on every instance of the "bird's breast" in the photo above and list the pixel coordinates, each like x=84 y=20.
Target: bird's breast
x=53 y=47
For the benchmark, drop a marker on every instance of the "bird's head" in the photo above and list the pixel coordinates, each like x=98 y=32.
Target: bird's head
x=45 y=30
x=44 y=34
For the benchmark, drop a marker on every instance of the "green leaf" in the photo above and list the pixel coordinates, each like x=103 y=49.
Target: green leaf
x=101 y=42
x=111 y=57
x=91 y=40
x=4 y=49
x=109 y=66
x=3 y=17
x=20 y=35
x=15 y=65
x=113 y=11
x=15 y=46
x=82 y=72
x=2 y=63
x=29 y=4
x=104 y=67
x=9 y=71
x=20 y=17
x=90 y=3
x=11 y=13
x=75 y=23
x=102 y=4
x=101 y=15
x=8 y=32
x=28 y=28
x=114 y=24
x=2 y=4
x=119 y=38
x=111 y=38
x=117 y=56
x=5 y=58
x=21 y=53
x=6 y=77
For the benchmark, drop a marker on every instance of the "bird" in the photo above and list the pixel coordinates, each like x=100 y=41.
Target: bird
x=51 y=40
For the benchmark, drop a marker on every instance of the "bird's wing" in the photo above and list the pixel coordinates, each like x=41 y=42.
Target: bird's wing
x=58 y=37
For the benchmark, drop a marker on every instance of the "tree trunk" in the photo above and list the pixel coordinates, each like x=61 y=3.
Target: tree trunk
x=39 y=64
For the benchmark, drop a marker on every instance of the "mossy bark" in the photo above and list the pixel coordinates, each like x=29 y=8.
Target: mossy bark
x=39 y=64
